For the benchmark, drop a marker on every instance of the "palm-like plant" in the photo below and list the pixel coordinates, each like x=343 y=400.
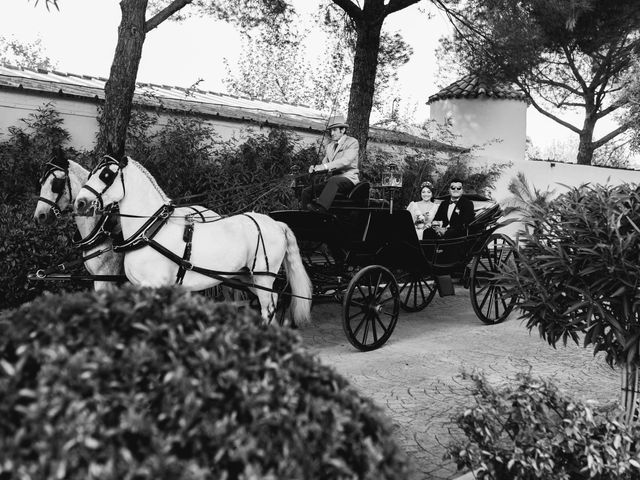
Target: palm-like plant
x=578 y=275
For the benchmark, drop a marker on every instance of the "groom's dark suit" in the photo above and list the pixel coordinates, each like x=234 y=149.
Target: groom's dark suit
x=462 y=215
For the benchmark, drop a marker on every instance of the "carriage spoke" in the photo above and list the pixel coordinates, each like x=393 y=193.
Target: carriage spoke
x=373 y=327
x=362 y=322
x=357 y=303
x=365 y=333
x=381 y=292
x=386 y=300
x=486 y=297
x=483 y=288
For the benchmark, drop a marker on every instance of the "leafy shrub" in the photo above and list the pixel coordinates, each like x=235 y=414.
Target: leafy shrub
x=420 y=166
x=158 y=384
x=26 y=247
x=186 y=158
x=532 y=431
x=578 y=273
x=22 y=155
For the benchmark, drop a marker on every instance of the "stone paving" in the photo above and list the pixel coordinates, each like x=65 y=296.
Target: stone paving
x=415 y=377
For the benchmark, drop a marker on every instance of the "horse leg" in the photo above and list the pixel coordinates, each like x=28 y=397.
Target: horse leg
x=268 y=299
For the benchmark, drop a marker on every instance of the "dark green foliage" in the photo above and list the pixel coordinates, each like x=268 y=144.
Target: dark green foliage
x=25 y=247
x=418 y=167
x=22 y=155
x=160 y=384
x=532 y=431
x=578 y=274
x=229 y=177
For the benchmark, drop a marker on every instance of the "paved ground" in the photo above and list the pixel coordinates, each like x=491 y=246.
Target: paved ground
x=415 y=376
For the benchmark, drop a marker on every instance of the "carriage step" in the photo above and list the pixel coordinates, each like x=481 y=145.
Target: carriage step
x=445 y=285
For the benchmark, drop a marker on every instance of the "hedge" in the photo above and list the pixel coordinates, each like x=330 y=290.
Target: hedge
x=532 y=431
x=161 y=384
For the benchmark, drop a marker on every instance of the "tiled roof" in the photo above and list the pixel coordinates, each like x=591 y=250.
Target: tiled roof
x=472 y=86
x=194 y=100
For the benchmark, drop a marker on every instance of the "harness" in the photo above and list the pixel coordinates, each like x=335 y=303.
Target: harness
x=104 y=227
x=144 y=237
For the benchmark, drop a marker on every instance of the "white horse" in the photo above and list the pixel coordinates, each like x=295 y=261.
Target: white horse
x=250 y=247
x=61 y=180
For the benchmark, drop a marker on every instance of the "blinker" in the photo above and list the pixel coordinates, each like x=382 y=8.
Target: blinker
x=57 y=185
x=107 y=176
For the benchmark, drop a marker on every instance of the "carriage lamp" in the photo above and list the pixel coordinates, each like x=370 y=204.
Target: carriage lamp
x=294 y=175
x=392 y=176
x=392 y=179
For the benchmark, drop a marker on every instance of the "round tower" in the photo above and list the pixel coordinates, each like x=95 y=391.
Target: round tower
x=489 y=116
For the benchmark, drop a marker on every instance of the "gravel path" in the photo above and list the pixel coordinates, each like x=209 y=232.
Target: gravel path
x=415 y=377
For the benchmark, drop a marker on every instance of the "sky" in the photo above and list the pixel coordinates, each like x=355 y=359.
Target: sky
x=81 y=39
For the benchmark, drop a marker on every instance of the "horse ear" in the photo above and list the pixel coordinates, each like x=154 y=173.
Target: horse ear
x=60 y=159
x=124 y=161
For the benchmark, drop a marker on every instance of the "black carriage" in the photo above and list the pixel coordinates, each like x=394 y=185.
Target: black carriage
x=367 y=255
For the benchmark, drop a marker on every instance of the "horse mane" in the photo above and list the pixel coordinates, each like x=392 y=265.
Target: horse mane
x=146 y=173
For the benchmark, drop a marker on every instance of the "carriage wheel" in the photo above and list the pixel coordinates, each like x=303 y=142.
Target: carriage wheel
x=416 y=292
x=370 y=309
x=490 y=300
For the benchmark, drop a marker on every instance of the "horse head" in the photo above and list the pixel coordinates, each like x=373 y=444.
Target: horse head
x=104 y=187
x=55 y=190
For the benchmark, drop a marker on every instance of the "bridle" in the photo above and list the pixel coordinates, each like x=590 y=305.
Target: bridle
x=107 y=176
x=58 y=185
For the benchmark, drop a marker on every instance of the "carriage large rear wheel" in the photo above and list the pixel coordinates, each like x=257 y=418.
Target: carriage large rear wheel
x=416 y=291
x=490 y=300
x=370 y=308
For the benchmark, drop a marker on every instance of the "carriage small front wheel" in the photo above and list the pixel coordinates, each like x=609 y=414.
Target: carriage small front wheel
x=370 y=308
x=490 y=300
x=416 y=291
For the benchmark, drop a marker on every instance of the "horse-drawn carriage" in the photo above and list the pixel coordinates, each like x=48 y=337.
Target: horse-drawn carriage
x=367 y=256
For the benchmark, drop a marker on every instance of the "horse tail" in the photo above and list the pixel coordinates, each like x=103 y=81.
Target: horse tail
x=301 y=287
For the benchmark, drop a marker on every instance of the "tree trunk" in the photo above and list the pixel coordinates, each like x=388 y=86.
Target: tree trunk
x=121 y=85
x=585 y=147
x=630 y=394
x=365 y=66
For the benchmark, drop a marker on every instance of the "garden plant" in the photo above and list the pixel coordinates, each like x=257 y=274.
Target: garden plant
x=577 y=279
x=577 y=275
x=530 y=430
x=163 y=384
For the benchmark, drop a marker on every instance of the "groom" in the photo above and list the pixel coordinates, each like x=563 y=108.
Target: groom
x=455 y=213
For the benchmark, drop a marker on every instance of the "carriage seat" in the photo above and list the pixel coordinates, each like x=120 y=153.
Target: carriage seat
x=357 y=197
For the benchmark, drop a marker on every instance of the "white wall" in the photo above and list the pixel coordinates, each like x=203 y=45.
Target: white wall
x=477 y=121
x=80 y=120
x=79 y=115
x=557 y=178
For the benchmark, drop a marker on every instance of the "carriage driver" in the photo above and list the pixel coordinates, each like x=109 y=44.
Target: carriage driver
x=341 y=161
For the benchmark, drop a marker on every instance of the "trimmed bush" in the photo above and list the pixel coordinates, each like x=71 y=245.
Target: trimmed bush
x=25 y=247
x=532 y=431
x=159 y=384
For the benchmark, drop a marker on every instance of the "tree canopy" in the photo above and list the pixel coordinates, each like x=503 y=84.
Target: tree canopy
x=562 y=55
x=287 y=65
